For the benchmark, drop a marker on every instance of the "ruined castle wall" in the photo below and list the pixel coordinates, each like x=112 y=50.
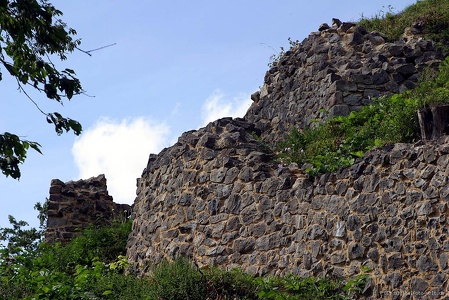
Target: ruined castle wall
x=217 y=197
x=76 y=204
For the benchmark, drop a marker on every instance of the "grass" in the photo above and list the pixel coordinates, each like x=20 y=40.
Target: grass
x=340 y=141
x=431 y=15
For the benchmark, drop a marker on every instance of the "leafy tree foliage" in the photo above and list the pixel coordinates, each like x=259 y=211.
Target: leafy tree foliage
x=20 y=239
x=31 y=35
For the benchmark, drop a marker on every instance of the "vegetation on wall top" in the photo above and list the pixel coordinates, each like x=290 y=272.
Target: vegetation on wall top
x=429 y=17
x=390 y=119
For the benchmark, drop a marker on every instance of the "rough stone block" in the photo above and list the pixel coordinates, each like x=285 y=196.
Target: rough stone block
x=243 y=246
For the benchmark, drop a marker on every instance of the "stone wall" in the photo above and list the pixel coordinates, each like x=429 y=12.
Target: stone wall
x=217 y=197
x=333 y=72
x=76 y=204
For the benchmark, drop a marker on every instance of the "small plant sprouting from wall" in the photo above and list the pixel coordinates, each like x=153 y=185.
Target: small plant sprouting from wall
x=274 y=58
x=357 y=284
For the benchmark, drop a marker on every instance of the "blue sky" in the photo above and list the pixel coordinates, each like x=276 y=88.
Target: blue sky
x=175 y=66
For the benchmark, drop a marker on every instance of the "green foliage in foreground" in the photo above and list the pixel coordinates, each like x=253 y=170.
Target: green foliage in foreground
x=93 y=266
x=432 y=15
x=340 y=140
x=292 y=287
x=433 y=91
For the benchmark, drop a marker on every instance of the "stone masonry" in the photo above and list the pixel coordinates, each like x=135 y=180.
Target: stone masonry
x=218 y=196
x=210 y=199
x=335 y=71
x=76 y=204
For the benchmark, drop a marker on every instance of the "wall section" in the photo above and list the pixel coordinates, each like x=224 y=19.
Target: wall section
x=335 y=71
x=218 y=197
x=230 y=207
x=74 y=205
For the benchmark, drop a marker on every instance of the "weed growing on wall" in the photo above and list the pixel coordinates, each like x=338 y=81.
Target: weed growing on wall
x=340 y=140
x=358 y=283
x=274 y=58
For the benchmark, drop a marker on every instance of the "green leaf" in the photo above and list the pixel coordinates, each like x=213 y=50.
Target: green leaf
x=51 y=91
x=75 y=126
x=69 y=71
x=13 y=152
x=35 y=146
x=11 y=69
x=358 y=153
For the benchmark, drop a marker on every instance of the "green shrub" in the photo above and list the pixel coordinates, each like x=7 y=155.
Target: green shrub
x=340 y=140
x=435 y=89
x=88 y=267
x=294 y=287
x=177 y=280
x=105 y=244
x=117 y=286
x=233 y=284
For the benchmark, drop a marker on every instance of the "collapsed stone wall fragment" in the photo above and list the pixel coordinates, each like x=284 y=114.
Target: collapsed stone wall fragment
x=75 y=205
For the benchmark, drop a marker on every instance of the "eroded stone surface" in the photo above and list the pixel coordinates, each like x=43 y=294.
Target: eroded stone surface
x=378 y=219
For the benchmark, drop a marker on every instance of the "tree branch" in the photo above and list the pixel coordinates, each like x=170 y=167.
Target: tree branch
x=29 y=97
x=96 y=49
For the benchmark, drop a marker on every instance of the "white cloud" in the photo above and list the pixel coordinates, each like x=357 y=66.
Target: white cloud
x=120 y=150
x=218 y=106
